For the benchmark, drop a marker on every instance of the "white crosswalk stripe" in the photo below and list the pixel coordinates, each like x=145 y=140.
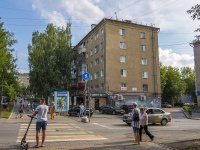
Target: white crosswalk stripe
x=58 y=132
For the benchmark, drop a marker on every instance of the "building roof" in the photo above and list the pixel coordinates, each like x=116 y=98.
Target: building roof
x=116 y=21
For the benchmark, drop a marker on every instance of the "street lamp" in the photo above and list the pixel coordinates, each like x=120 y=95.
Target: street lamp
x=2 y=81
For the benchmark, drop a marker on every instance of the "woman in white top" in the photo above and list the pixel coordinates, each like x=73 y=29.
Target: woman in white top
x=144 y=124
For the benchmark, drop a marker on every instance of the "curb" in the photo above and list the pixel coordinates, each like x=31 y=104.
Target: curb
x=188 y=117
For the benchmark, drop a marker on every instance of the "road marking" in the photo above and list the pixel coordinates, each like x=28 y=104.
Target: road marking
x=104 y=126
x=59 y=132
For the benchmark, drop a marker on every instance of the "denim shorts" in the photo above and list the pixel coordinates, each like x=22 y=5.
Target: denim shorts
x=40 y=125
x=136 y=130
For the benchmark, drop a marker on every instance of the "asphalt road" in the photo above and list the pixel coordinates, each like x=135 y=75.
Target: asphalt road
x=110 y=127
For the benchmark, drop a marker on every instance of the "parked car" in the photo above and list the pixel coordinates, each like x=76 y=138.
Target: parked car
x=100 y=108
x=179 y=104
x=155 y=115
x=75 y=110
x=127 y=108
x=112 y=110
x=166 y=105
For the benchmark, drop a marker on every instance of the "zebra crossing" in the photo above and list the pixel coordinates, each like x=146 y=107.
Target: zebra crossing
x=59 y=132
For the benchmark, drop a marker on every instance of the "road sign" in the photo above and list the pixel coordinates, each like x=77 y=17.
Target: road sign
x=86 y=76
x=189 y=98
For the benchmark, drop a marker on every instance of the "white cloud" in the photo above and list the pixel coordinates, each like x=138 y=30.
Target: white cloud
x=54 y=17
x=169 y=58
x=83 y=10
x=80 y=11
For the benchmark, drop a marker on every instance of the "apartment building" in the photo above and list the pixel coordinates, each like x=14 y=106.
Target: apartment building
x=23 y=79
x=123 y=61
x=196 y=45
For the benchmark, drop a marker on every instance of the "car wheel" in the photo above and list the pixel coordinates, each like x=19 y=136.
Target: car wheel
x=163 y=122
x=128 y=124
x=70 y=114
x=114 y=113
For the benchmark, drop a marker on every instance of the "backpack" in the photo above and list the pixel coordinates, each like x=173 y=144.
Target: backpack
x=136 y=116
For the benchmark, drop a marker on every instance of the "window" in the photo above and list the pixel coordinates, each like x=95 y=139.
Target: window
x=102 y=45
x=144 y=75
x=123 y=87
x=142 y=35
x=122 y=31
x=96 y=49
x=102 y=86
x=102 y=58
x=143 y=48
x=145 y=87
x=122 y=58
x=96 y=36
x=102 y=73
x=91 y=77
x=91 y=53
x=144 y=61
x=91 y=64
x=123 y=73
x=86 y=55
x=91 y=40
x=157 y=111
x=96 y=75
x=102 y=31
x=96 y=88
x=96 y=62
x=122 y=45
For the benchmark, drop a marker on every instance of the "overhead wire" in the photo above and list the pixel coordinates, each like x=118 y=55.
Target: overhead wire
x=156 y=9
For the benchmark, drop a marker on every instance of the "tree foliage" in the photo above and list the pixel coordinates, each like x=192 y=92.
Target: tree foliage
x=176 y=82
x=50 y=57
x=7 y=62
x=188 y=77
x=195 y=13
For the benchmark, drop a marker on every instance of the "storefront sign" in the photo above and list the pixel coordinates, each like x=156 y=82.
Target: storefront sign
x=99 y=95
x=123 y=88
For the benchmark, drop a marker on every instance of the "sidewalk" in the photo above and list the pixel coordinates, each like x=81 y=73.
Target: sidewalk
x=194 y=115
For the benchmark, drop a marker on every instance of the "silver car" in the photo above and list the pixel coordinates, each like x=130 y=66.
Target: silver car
x=155 y=115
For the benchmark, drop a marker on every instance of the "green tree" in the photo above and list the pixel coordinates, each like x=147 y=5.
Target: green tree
x=173 y=85
x=188 y=77
x=195 y=13
x=50 y=58
x=7 y=61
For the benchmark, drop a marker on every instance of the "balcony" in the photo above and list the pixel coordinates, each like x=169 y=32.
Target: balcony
x=74 y=87
x=81 y=85
x=81 y=49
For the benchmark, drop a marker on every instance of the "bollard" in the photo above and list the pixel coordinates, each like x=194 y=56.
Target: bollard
x=190 y=113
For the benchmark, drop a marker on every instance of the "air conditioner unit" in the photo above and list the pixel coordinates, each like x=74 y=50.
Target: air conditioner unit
x=142 y=97
x=120 y=97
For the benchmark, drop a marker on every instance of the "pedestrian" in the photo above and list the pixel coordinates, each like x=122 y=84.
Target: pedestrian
x=81 y=110
x=52 y=110
x=33 y=106
x=28 y=106
x=136 y=122
x=61 y=108
x=21 y=111
x=41 y=112
x=144 y=124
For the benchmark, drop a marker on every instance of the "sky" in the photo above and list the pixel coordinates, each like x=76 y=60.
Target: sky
x=23 y=17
